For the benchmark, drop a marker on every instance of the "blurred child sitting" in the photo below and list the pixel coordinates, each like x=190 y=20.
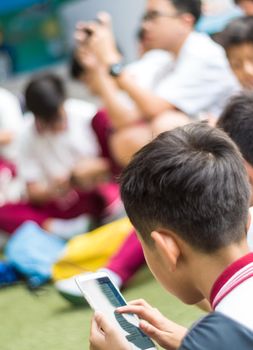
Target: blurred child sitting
x=62 y=163
x=237 y=39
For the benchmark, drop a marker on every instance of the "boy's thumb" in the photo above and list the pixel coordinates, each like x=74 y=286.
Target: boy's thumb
x=159 y=336
x=102 y=322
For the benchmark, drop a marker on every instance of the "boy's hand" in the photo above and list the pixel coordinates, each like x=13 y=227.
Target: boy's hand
x=166 y=333
x=104 y=336
x=90 y=172
x=60 y=187
x=101 y=41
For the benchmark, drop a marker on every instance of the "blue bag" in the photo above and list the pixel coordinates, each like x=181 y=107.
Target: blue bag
x=8 y=275
x=32 y=252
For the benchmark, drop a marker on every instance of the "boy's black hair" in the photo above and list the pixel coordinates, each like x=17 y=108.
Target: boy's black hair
x=237 y=32
x=44 y=94
x=192 y=181
x=237 y=121
x=189 y=6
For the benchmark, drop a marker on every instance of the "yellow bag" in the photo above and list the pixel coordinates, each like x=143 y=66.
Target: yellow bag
x=90 y=251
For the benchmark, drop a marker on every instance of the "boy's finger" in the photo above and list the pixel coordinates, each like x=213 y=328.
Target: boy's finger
x=140 y=302
x=162 y=338
x=104 y=18
x=142 y=312
x=80 y=36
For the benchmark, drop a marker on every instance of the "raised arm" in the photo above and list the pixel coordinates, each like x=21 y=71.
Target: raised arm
x=100 y=53
x=148 y=103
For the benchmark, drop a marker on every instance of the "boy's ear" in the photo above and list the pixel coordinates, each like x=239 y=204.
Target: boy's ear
x=39 y=125
x=167 y=247
x=188 y=18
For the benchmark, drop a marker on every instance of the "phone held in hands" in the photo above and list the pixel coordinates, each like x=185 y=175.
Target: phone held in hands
x=103 y=296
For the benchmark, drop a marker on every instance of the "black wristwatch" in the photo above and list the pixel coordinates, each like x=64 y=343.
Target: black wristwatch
x=116 y=69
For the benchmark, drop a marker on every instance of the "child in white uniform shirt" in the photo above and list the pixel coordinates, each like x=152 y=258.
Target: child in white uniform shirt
x=237 y=39
x=187 y=193
x=62 y=162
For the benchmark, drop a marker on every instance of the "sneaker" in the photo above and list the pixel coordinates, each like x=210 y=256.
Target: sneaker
x=69 y=290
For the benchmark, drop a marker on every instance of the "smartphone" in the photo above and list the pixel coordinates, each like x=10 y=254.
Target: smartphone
x=103 y=296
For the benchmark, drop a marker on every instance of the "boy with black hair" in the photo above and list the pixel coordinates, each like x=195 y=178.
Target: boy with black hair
x=63 y=163
x=237 y=121
x=187 y=194
x=237 y=40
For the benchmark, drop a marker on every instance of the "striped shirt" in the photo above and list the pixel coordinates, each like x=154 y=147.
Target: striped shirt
x=233 y=290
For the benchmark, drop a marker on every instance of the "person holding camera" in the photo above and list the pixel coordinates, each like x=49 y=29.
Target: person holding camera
x=196 y=77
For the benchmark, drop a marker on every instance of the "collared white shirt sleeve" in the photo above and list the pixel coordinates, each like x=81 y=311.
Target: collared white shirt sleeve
x=201 y=80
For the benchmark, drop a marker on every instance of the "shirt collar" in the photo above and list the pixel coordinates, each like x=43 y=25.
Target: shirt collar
x=234 y=275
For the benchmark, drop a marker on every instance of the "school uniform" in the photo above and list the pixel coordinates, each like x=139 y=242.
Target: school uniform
x=230 y=326
x=218 y=332
x=232 y=292
x=199 y=79
x=44 y=157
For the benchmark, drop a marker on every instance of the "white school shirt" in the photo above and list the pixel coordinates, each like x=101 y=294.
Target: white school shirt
x=199 y=79
x=144 y=71
x=44 y=157
x=233 y=290
x=11 y=119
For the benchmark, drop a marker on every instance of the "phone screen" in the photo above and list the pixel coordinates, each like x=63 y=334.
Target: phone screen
x=103 y=296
